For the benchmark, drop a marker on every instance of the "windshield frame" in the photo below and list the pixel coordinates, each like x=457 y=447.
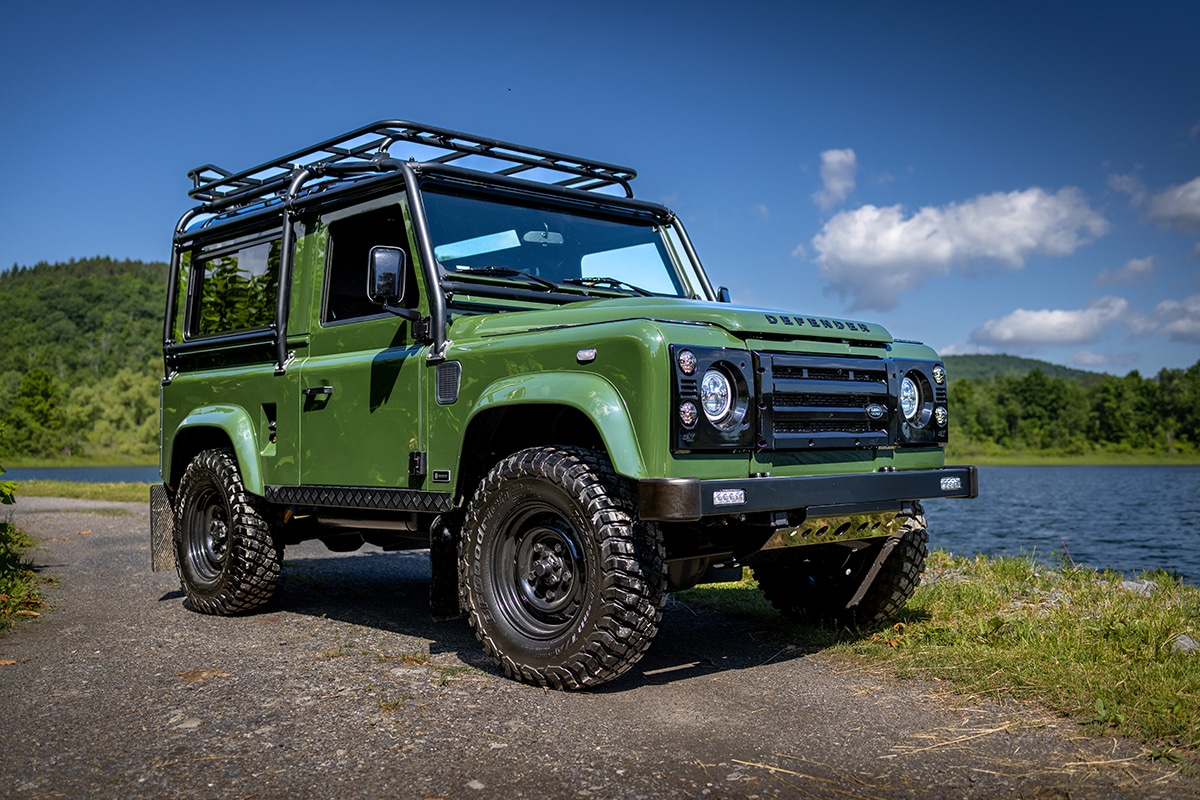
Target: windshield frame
x=526 y=290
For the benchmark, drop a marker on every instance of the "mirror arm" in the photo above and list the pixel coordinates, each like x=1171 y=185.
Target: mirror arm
x=410 y=314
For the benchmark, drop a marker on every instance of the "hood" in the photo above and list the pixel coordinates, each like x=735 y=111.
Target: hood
x=742 y=321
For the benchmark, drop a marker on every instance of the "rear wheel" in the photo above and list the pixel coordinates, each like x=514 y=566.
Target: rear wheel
x=562 y=583
x=228 y=561
x=817 y=587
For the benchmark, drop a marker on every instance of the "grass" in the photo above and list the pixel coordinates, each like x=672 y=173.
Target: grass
x=122 y=492
x=1071 y=639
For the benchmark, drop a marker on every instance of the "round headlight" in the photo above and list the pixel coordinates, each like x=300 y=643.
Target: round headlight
x=688 y=413
x=716 y=395
x=910 y=398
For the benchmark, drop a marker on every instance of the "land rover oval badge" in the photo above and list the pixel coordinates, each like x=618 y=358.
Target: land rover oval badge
x=876 y=411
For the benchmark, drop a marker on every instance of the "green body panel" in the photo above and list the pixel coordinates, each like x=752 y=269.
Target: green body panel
x=740 y=321
x=239 y=403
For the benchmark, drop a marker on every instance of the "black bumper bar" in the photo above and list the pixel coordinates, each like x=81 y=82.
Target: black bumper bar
x=689 y=499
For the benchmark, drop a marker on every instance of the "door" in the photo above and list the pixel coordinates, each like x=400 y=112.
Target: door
x=360 y=399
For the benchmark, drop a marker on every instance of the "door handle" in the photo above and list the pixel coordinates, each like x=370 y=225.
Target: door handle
x=314 y=391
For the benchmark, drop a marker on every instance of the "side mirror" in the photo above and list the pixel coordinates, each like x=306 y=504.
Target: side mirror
x=385 y=285
x=723 y=295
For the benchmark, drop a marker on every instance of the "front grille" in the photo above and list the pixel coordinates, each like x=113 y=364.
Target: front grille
x=817 y=402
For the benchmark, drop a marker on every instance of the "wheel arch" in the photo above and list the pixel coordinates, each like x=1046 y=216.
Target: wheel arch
x=216 y=426
x=571 y=409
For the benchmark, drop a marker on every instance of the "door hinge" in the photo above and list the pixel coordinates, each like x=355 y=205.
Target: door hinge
x=421 y=329
x=416 y=464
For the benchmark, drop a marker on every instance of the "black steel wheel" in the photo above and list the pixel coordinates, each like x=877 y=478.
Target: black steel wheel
x=816 y=586
x=227 y=559
x=562 y=583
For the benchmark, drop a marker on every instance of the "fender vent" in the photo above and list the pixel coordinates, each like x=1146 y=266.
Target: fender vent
x=449 y=375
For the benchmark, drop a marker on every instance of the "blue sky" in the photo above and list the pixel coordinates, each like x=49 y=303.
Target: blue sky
x=1020 y=177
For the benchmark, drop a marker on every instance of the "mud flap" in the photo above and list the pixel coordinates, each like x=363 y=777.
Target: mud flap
x=162 y=526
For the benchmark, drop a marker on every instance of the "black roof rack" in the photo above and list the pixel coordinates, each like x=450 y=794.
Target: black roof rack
x=336 y=159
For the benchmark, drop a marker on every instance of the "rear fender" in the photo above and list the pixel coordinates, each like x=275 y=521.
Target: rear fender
x=234 y=422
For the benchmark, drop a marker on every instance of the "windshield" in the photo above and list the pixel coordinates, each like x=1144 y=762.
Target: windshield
x=553 y=249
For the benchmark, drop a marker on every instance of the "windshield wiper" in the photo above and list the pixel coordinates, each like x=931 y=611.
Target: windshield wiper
x=610 y=283
x=505 y=272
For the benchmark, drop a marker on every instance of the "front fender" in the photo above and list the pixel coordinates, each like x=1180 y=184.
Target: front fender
x=235 y=423
x=592 y=395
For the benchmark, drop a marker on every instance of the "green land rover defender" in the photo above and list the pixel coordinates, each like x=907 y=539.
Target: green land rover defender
x=417 y=338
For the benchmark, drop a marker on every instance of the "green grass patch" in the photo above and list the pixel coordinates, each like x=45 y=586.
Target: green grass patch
x=1074 y=640
x=120 y=492
x=19 y=595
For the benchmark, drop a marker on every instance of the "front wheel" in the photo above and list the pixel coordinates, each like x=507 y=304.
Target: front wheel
x=817 y=588
x=562 y=583
x=228 y=561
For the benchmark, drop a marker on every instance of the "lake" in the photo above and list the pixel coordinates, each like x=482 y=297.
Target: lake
x=1124 y=518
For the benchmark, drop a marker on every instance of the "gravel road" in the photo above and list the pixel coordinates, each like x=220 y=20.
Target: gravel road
x=344 y=688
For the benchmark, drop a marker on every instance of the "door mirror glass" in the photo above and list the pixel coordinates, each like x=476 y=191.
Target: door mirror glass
x=385 y=285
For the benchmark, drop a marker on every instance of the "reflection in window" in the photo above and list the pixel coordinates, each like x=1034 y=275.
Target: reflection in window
x=237 y=290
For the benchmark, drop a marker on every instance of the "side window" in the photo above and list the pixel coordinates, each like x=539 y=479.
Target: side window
x=236 y=289
x=348 y=261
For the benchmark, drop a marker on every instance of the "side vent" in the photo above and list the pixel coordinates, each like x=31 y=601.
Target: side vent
x=449 y=376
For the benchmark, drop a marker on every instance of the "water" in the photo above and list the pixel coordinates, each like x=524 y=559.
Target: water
x=1123 y=518
x=84 y=474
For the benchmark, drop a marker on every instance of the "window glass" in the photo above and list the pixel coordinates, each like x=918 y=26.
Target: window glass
x=349 y=261
x=238 y=289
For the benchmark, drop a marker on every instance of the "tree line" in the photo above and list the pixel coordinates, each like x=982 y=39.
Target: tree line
x=1040 y=413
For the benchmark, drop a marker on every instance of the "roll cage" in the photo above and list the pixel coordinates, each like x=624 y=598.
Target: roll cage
x=363 y=162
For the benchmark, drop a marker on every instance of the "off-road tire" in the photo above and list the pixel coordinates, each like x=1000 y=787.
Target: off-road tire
x=228 y=562
x=817 y=590
x=561 y=581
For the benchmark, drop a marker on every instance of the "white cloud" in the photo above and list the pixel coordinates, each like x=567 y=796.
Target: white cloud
x=871 y=255
x=761 y=210
x=1180 y=320
x=1135 y=269
x=1178 y=205
x=1131 y=185
x=837 y=174
x=1086 y=358
x=800 y=252
x=964 y=349
x=1051 y=326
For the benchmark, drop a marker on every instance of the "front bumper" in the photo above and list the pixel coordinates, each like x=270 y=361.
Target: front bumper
x=691 y=499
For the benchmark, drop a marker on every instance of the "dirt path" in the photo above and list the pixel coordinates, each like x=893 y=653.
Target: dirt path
x=344 y=688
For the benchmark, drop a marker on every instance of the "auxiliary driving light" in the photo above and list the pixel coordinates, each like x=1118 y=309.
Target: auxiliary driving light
x=688 y=413
x=687 y=362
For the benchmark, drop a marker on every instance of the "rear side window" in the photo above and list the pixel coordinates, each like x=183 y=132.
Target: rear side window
x=236 y=289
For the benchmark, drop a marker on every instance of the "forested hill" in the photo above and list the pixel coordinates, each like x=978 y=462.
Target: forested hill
x=80 y=355
x=989 y=367
x=82 y=319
